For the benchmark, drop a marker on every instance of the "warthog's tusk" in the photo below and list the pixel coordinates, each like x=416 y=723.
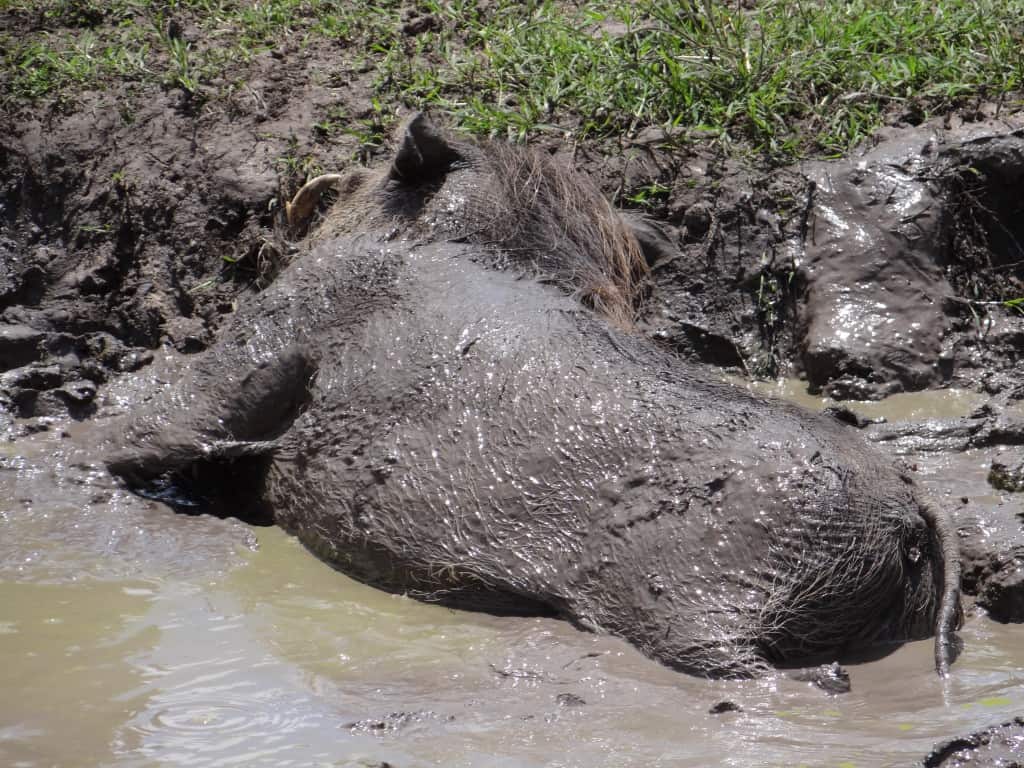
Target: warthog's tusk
x=301 y=206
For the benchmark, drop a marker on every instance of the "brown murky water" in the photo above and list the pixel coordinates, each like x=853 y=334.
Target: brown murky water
x=134 y=636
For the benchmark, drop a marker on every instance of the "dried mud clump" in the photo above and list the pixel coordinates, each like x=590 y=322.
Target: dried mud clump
x=1005 y=478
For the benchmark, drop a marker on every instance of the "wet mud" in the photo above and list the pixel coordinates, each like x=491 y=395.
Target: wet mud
x=1000 y=746
x=131 y=229
x=885 y=272
x=892 y=272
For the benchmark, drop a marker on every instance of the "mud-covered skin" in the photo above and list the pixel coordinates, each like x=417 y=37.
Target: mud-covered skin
x=429 y=423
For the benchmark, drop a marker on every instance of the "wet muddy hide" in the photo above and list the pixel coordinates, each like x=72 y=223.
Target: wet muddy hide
x=444 y=396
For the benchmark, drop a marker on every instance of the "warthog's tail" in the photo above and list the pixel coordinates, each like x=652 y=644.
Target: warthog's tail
x=948 y=615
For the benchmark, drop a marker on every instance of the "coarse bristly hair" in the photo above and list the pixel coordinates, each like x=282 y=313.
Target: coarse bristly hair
x=526 y=209
x=565 y=228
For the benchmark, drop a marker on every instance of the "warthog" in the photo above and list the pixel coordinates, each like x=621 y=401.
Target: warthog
x=444 y=396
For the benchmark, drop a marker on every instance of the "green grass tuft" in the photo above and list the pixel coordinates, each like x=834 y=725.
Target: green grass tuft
x=788 y=78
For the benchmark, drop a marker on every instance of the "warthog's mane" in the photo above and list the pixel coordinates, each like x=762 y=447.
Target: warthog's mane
x=554 y=220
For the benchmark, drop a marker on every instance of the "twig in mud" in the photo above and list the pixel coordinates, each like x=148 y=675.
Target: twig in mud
x=714 y=232
x=590 y=655
x=164 y=163
x=518 y=674
x=806 y=216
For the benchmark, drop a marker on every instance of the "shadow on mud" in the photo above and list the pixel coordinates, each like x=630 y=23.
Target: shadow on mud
x=220 y=489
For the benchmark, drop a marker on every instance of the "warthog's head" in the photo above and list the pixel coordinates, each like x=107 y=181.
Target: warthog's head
x=525 y=210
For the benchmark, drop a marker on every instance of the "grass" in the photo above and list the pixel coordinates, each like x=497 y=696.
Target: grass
x=789 y=78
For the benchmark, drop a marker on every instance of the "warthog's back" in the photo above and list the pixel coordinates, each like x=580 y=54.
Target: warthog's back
x=481 y=439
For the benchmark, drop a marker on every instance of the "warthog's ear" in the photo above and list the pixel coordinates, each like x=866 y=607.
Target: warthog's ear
x=657 y=246
x=425 y=153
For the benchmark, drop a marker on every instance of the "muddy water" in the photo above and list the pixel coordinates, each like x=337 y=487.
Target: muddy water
x=134 y=636
x=910 y=406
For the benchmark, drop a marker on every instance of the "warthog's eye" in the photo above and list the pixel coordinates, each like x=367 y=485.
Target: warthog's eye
x=914 y=554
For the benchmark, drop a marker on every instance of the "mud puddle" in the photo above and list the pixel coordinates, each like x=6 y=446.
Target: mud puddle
x=905 y=406
x=135 y=636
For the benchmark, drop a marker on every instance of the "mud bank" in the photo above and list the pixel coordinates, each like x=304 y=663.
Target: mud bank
x=135 y=217
x=893 y=270
x=140 y=219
